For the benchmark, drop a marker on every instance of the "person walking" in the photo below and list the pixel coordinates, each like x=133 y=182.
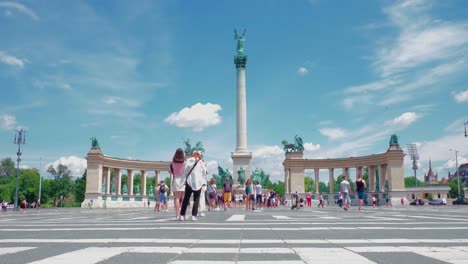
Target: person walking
x=345 y=190
x=309 y=198
x=202 y=205
x=249 y=195
x=212 y=195
x=156 y=198
x=321 y=203
x=360 y=188
x=374 y=201
x=227 y=188
x=195 y=171
x=178 y=180
x=258 y=195
x=163 y=190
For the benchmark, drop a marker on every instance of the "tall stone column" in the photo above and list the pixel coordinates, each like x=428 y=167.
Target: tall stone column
x=130 y=181
x=118 y=176
x=371 y=170
x=371 y=173
x=331 y=180
x=108 y=180
x=317 y=181
x=382 y=177
x=156 y=178
x=286 y=180
x=241 y=157
x=143 y=182
x=331 y=183
x=105 y=170
x=346 y=172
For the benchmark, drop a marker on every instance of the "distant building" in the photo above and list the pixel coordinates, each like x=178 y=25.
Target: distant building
x=462 y=171
x=430 y=177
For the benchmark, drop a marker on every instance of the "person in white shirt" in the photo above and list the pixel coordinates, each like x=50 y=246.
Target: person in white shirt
x=195 y=170
x=258 y=195
x=345 y=190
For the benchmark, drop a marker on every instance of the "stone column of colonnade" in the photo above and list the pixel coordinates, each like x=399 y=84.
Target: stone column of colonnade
x=118 y=177
x=382 y=178
x=108 y=180
x=156 y=178
x=129 y=182
x=331 y=183
x=371 y=183
x=105 y=170
x=143 y=182
x=317 y=182
x=286 y=180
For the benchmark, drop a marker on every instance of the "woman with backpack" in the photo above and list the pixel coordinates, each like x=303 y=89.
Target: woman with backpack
x=178 y=181
x=212 y=194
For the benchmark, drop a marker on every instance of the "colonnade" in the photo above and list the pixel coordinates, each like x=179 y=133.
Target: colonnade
x=388 y=164
x=106 y=181
x=99 y=182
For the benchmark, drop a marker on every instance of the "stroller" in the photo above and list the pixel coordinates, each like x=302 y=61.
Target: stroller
x=294 y=201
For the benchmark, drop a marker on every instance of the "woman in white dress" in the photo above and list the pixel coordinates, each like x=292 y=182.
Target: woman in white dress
x=178 y=181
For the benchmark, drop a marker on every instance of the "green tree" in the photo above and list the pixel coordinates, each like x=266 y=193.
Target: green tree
x=278 y=188
x=409 y=182
x=323 y=187
x=62 y=184
x=453 y=184
x=309 y=184
x=7 y=168
x=137 y=182
x=28 y=185
x=80 y=188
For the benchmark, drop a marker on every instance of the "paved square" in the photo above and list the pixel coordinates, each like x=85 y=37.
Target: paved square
x=310 y=235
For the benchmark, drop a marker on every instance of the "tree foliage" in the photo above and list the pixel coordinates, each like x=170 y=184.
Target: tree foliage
x=80 y=188
x=409 y=182
x=309 y=184
x=7 y=168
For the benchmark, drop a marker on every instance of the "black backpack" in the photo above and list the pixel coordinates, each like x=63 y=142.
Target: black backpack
x=162 y=189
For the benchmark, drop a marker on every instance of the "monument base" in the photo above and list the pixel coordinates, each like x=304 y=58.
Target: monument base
x=241 y=160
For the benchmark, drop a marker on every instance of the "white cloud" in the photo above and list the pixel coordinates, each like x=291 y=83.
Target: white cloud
x=333 y=133
x=311 y=146
x=421 y=40
x=75 y=164
x=451 y=164
x=461 y=97
x=403 y=120
x=212 y=167
x=197 y=117
x=7 y=121
x=110 y=100
x=270 y=159
x=302 y=71
x=352 y=101
x=11 y=60
x=374 y=86
x=21 y=8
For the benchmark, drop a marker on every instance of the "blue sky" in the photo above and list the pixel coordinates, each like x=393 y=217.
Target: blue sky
x=142 y=76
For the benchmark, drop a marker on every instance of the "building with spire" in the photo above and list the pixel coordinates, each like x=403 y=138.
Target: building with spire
x=430 y=177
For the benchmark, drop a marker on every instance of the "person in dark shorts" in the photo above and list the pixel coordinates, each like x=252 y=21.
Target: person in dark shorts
x=360 y=188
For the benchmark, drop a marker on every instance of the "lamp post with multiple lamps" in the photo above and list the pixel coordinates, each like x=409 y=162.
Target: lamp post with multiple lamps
x=413 y=152
x=20 y=138
x=456 y=171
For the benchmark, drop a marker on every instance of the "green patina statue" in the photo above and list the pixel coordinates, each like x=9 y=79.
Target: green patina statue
x=240 y=41
x=151 y=189
x=112 y=187
x=103 y=187
x=298 y=146
x=189 y=150
x=241 y=176
x=94 y=143
x=393 y=140
x=240 y=59
x=124 y=189
x=137 y=189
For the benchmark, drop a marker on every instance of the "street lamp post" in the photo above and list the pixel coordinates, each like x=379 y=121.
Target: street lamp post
x=456 y=171
x=466 y=125
x=20 y=138
x=413 y=152
x=38 y=203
